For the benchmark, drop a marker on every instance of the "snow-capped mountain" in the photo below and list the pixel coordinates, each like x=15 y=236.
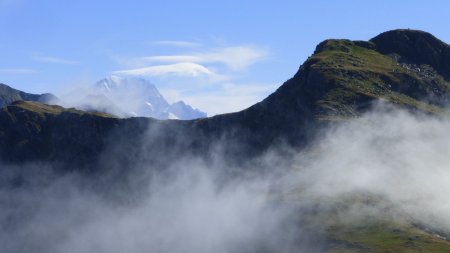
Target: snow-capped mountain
x=126 y=97
x=139 y=97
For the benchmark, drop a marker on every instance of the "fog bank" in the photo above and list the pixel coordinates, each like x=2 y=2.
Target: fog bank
x=386 y=164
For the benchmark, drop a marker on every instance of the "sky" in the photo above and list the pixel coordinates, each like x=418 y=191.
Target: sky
x=219 y=56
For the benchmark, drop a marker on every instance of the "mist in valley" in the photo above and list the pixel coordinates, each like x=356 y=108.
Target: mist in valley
x=387 y=165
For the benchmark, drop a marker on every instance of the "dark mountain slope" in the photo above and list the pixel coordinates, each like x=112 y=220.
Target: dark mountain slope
x=35 y=131
x=9 y=95
x=76 y=140
x=341 y=80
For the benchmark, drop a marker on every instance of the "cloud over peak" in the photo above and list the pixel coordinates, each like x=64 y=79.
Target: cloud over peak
x=209 y=77
x=236 y=57
x=180 y=69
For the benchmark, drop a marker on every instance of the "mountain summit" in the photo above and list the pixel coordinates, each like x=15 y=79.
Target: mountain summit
x=130 y=97
x=416 y=47
x=139 y=97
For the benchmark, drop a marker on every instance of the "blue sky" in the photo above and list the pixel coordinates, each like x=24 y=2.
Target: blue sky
x=218 y=56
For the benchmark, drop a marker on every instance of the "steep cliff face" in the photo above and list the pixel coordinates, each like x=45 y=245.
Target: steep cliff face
x=341 y=80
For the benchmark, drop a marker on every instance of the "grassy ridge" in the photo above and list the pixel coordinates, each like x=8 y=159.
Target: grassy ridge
x=360 y=75
x=43 y=109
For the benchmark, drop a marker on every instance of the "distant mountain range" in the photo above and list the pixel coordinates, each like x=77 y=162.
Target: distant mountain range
x=123 y=97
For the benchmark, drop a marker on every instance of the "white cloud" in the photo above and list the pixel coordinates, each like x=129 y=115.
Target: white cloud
x=18 y=71
x=182 y=69
x=177 y=43
x=51 y=59
x=237 y=57
x=225 y=98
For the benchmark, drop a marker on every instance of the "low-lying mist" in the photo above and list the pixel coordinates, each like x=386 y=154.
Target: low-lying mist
x=391 y=154
x=396 y=162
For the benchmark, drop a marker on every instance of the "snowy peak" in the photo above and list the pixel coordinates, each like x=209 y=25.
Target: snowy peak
x=139 y=97
x=182 y=110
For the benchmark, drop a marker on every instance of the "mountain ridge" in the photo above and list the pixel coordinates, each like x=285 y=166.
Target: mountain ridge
x=9 y=95
x=340 y=81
